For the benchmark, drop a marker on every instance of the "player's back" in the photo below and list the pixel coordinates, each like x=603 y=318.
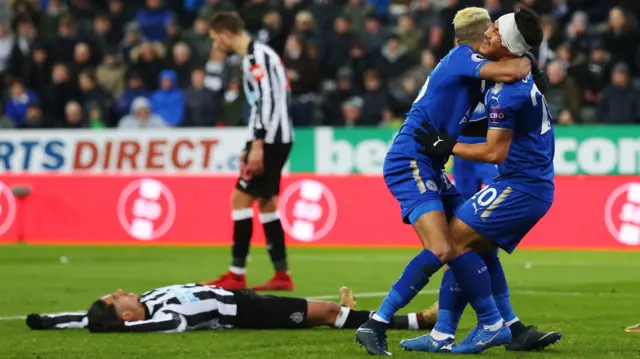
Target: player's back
x=529 y=163
x=446 y=99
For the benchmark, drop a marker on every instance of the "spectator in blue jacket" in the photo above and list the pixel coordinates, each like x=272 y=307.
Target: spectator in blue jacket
x=153 y=20
x=168 y=102
x=16 y=106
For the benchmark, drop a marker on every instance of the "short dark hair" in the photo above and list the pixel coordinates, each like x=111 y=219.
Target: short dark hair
x=229 y=21
x=528 y=23
x=103 y=318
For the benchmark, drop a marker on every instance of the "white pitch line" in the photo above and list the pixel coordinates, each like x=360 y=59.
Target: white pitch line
x=435 y=291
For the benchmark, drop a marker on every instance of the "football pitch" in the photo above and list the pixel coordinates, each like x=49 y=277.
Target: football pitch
x=589 y=296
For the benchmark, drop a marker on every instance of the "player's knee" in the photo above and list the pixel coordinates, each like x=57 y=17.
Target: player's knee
x=268 y=205
x=443 y=250
x=241 y=200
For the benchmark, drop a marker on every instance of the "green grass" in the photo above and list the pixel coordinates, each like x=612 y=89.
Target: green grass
x=589 y=296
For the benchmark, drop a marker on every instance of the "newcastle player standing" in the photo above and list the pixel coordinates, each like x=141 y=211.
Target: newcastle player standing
x=270 y=139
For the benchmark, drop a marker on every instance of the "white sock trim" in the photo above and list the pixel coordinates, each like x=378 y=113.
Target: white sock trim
x=241 y=214
x=238 y=270
x=440 y=335
x=379 y=318
x=269 y=217
x=342 y=317
x=413 y=321
x=512 y=321
x=495 y=326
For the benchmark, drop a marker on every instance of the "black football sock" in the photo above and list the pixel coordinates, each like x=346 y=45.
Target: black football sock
x=242 y=230
x=275 y=240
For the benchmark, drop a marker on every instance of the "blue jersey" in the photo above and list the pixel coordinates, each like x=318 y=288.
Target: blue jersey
x=521 y=108
x=479 y=114
x=446 y=99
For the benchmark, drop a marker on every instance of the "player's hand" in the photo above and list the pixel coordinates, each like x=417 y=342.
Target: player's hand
x=255 y=163
x=435 y=143
x=243 y=163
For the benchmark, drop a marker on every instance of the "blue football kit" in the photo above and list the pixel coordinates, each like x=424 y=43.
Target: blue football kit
x=521 y=195
x=469 y=176
x=446 y=100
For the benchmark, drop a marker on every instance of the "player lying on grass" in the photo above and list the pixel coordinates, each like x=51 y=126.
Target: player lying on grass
x=520 y=141
x=180 y=308
x=427 y=198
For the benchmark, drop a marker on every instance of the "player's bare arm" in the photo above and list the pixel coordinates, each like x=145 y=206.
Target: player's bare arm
x=506 y=71
x=494 y=151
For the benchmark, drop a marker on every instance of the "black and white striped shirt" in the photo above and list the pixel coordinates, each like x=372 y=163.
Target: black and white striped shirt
x=176 y=308
x=267 y=89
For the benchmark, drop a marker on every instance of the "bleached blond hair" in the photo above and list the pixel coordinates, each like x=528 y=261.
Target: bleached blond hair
x=470 y=24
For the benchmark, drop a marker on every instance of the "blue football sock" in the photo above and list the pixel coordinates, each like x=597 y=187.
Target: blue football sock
x=414 y=277
x=474 y=281
x=451 y=304
x=499 y=286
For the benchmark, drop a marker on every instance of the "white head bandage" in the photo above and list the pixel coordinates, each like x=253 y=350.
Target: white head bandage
x=511 y=37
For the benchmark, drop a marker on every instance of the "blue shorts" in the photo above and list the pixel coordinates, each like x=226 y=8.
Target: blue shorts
x=419 y=187
x=502 y=214
x=470 y=176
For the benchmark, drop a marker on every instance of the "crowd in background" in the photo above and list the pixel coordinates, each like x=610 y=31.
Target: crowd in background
x=150 y=63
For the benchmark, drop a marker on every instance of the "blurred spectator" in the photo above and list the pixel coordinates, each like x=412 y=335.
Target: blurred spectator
x=132 y=39
x=357 y=12
x=63 y=45
x=569 y=58
x=6 y=47
x=36 y=71
x=253 y=12
x=394 y=59
x=96 y=115
x=216 y=70
x=420 y=73
x=232 y=104
x=174 y=35
x=550 y=40
x=594 y=75
x=352 y=112
x=202 y=105
x=135 y=88
x=73 y=116
x=403 y=93
x=182 y=64
x=141 y=116
x=111 y=73
x=118 y=17
x=82 y=58
x=55 y=96
x=168 y=102
x=376 y=100
x=15 y=107
x=148 y=60
x=153 y=20
x=211 y=7
x=199 y=40
x=25 y=10
x=273 y=31
x=22 y=47
x=302 y=73
x=92 y=94
x=34 y=117
x=577 y=32
x=333 y=114
x=305 y=26
x=563 y=95
x=621 y=38
x=423 y=13
x=374 y=36
x=435 y=41
x=495 y=9
x=409 y=34
x=104 y=31
x=337 y=44
x=620 y=101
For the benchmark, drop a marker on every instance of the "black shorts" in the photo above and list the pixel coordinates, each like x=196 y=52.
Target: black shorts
x=269 y=312
x=268 y=183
